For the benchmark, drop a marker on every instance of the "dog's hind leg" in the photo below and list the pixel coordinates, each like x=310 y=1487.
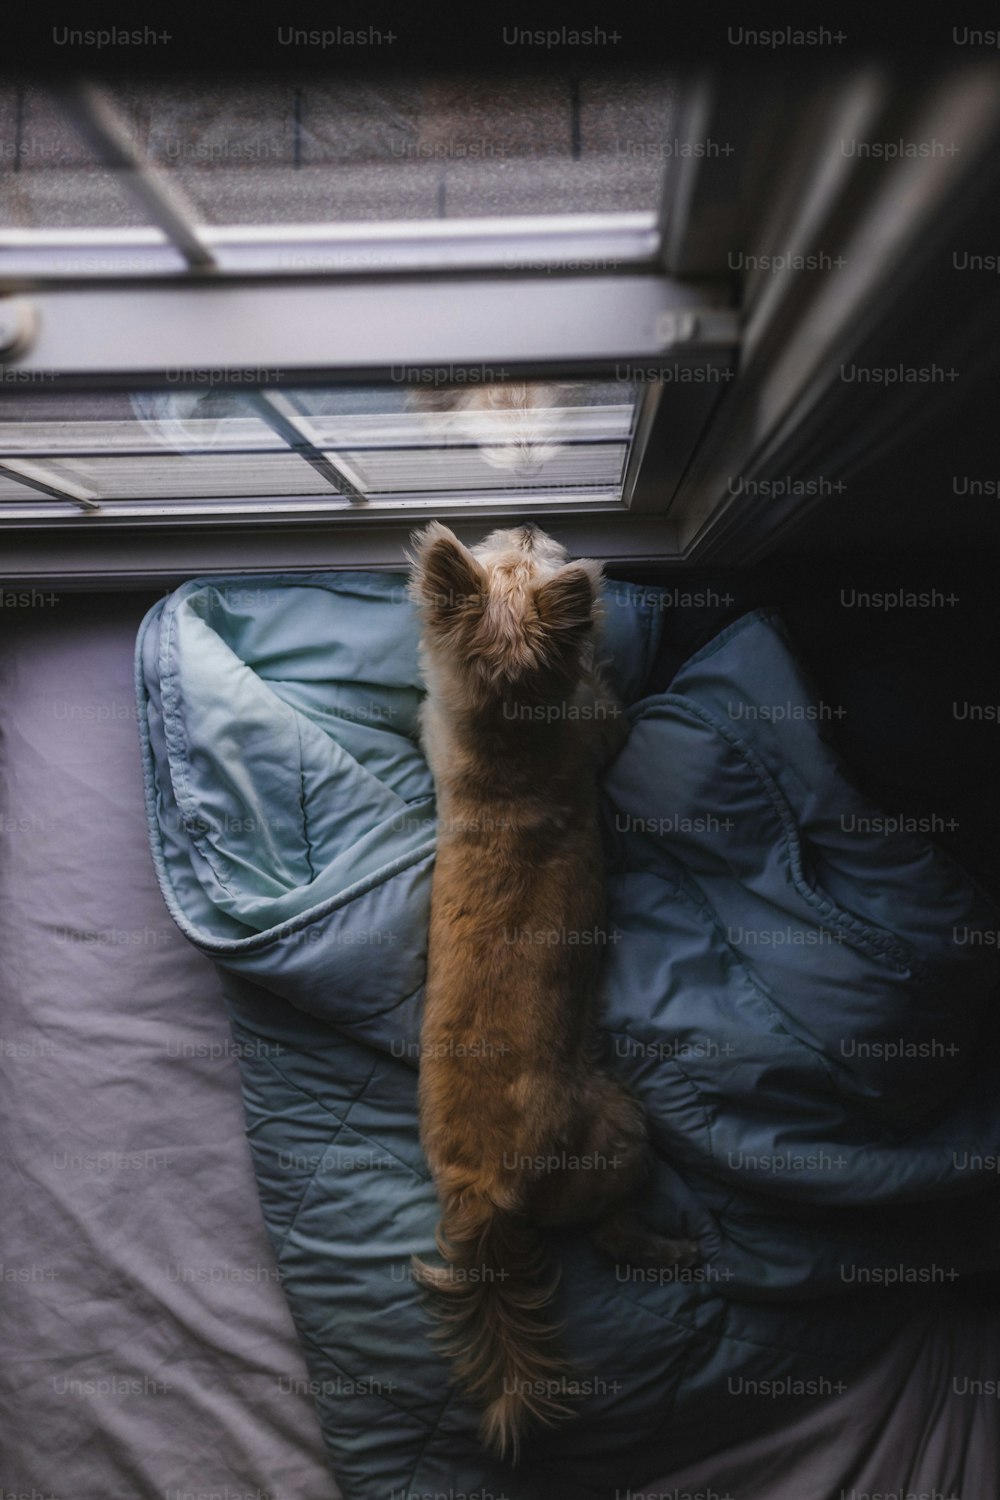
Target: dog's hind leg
x=617 y=1138
x=604 y=1159
x=623 y=1236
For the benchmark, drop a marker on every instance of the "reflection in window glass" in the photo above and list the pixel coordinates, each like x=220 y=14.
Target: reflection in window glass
x=527 y=435
x=546 y=440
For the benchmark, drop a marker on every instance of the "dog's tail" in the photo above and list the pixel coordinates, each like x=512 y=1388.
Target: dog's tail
x=491 y=1296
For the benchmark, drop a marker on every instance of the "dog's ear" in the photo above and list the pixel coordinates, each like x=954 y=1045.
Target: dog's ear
x=566 y=602
x=445 y=577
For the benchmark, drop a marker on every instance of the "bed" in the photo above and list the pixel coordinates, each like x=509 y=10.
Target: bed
x=149 y=1345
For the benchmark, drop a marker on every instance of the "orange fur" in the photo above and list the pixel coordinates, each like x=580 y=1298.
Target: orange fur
x=522 y=1131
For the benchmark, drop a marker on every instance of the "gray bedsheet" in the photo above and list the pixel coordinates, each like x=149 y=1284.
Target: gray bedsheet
x=146 y=1352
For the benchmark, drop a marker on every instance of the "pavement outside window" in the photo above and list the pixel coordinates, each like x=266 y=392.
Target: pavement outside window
x=310 y=152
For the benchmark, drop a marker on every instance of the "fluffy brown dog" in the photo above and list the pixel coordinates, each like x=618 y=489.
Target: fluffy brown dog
x=522 y=1131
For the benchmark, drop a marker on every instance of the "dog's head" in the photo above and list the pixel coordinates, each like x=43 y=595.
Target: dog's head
x=516 y=426
x=509 y=615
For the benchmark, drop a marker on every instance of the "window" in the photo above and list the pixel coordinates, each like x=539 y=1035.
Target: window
x=311 y=152
x=248 y=326
x=328 y=448
x=303 y=303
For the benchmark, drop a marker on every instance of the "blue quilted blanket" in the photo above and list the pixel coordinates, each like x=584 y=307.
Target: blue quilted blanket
x=796 y=986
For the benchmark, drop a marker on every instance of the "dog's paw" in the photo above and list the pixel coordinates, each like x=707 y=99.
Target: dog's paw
x=651 y=1249
x=673 y=1252
x=628 y=1241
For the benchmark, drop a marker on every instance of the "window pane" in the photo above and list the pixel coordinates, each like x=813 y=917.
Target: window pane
x=547 y=442
x=181 y=421
x=304 y=151
x=533 y=436
x=530 y=446
x=50 y=177
x=12 y=493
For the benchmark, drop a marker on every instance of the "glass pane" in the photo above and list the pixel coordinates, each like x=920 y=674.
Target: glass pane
x=50 y=178
x=11 y=493
x=306 y=151
x=206 y=476
x=532 y=436
x=484 y=449
x=183 y=421
x=534 y=440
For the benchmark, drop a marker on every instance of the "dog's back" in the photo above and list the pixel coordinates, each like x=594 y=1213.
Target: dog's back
x=521 y=1130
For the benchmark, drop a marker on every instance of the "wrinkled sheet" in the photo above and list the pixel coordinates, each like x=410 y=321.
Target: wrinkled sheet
x=145 y=1342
